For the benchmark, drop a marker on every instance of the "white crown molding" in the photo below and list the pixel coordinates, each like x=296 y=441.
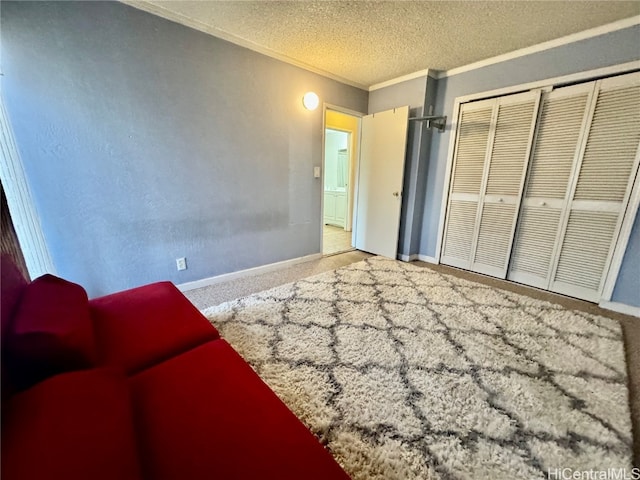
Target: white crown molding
x=583 y=76
x=404 y=78
x=541 y=47
x=229 y=37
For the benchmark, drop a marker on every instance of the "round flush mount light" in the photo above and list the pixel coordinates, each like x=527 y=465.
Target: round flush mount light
x=310 y=101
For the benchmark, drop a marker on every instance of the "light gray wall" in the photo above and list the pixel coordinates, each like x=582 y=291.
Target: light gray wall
x=605 y=50
x=421 y=175
x=144 y=141
x=411 y=93
x=627 y=289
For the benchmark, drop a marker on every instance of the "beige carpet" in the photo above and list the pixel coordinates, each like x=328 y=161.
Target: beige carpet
x=240 y=287
x=405 y=372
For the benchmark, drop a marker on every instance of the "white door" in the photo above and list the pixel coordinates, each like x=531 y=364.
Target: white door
x=379 y=198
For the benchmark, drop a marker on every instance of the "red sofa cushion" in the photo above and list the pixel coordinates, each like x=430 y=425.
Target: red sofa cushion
x=72 y=426
x=51 y=331
x=206 y=414
x=140 y=327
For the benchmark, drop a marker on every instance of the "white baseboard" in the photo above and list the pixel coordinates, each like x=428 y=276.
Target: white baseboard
x=205 y=282
x=416 y=256
x=428 y=259
x=621 y=308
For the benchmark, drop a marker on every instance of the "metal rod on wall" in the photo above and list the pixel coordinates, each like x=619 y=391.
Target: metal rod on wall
x=433 y=121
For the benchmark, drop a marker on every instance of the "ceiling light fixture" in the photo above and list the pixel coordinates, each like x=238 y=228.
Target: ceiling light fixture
x=310 y=101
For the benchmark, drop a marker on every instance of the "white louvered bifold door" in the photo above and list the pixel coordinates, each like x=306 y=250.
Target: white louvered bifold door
x=503 y=182
x=474 y=128
x=601 y=189
x=563 y=116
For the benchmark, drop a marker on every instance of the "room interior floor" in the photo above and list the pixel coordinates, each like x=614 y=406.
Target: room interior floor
x=335 y=240
x=226 y=291
x=240 y=287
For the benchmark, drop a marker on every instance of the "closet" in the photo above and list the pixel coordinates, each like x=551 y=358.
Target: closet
x=540 y=184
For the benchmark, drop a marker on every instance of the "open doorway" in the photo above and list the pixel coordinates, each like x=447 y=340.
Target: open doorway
x=336 y=238
x=341 y=137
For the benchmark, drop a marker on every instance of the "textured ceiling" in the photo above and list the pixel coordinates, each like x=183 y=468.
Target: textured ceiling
x=367 y=42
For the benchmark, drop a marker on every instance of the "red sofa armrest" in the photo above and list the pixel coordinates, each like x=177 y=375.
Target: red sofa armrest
x=141 y=327
x=51 y=332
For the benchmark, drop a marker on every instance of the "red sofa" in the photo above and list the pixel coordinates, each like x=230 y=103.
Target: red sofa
x=136 y=385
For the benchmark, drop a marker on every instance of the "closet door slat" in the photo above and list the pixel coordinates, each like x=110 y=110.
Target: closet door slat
x=558 y=133
x=586 y=245
x=494 y=238
x=534 y=245
x=472 y=148
x=608 y=159
x=461 y=223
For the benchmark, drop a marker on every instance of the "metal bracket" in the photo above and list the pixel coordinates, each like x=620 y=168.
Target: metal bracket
x=433 y=121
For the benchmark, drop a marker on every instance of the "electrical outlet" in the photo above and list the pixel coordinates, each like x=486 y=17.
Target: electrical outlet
x=181 y=263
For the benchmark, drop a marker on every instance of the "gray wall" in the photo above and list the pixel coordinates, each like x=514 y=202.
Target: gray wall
x=409 y=92
x=605 y=50
x=627 y=288
x=144 y=141
x=430 y=108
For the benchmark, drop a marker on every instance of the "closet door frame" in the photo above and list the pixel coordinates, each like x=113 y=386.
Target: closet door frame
x=548 y=84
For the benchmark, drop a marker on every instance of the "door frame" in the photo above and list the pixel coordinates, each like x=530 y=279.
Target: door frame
x=22 y=208
x=620 y=247
x=352 y=191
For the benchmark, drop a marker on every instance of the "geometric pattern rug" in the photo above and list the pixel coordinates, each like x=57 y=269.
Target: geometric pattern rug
x=406 y=373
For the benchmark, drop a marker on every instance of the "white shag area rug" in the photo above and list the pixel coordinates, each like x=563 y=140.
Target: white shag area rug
x=406 y=373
